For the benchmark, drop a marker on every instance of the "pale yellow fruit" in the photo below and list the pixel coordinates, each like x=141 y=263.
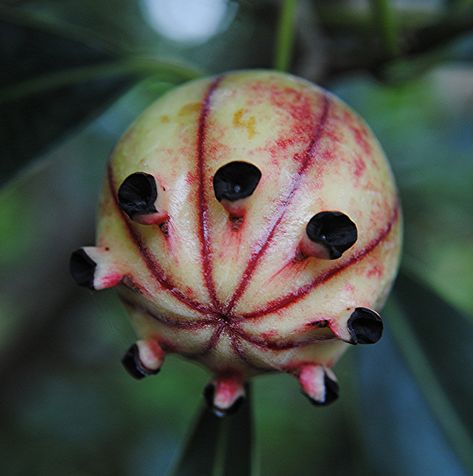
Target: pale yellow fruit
x=239 y=283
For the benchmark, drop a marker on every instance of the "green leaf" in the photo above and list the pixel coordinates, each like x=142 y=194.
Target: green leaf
x=415 y=386
x=400 y=433
x=50 y=83
x=219 y=446
x=443 y=355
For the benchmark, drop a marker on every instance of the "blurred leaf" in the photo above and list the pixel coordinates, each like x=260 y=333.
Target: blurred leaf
x=50 y=83
x=219 y=446
x=410 y=67
x=400 y=433
x=435 y=340
x=444 y=336
x=200 y=452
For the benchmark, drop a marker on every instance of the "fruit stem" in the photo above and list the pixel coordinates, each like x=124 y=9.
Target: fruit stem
x=285 y=35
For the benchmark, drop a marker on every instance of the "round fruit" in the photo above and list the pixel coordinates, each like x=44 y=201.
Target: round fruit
x=252 y=223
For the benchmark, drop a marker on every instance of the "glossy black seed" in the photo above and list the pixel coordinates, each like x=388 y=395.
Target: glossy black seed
x=209 y=394
x=334 y=230
x=365 y=326
x=82 y=268
x=331 y=392
x=137 y=194
x=236 y=180
x=133 y=365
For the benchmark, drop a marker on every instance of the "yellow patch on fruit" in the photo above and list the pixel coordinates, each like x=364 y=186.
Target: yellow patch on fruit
x=249 y=124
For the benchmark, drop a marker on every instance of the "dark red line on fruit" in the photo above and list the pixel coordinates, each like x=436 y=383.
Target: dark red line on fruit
x=242 y=356
x=174 y=323
x=149 y=260
x=280 y=346
x=210 y=344
x=203 y=226
x=309 y=155
x=214 y=338
x=299 y=294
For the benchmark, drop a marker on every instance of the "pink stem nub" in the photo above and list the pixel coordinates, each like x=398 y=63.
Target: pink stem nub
x=225 y=394
x=318 y=384
x=144 y=358
x=328 y=235
x=93 y=267
x=138 y=197
x=235 y=209
x=309 y=248
x=157 y=218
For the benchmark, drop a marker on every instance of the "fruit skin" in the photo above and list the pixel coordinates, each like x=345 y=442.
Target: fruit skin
x=233 y=284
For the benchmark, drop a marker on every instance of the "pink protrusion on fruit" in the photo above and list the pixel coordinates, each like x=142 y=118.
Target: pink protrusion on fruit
x=152 y=219
x=311 y=379
x=109 y=281
x=161 y=216
x=228 y=389
x=310 y=248
x=339 y=328
x=151 y=353
x=108 y=273
x=235 y=209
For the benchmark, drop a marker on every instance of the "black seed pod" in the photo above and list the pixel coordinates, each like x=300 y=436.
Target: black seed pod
x=333 y=230
x=235 y=180
x=365 y=326
x=82 y=268
x=137 y=194
x=133 y=365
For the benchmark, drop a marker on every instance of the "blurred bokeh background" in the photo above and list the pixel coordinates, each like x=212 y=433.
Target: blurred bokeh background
x=74 y=75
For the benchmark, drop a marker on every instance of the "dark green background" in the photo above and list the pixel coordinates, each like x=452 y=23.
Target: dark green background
x=74 y=74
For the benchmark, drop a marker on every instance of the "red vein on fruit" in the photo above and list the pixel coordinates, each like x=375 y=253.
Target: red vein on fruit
x=280 y=346
x=214 y=338
x=234 y=341
x=153 y=266
x=210 y=344
x=174 y=323
x=203 y=226
x=309 y=155
x=303 y=291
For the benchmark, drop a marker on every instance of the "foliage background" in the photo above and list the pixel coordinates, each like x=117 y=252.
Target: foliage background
x=74 y=74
